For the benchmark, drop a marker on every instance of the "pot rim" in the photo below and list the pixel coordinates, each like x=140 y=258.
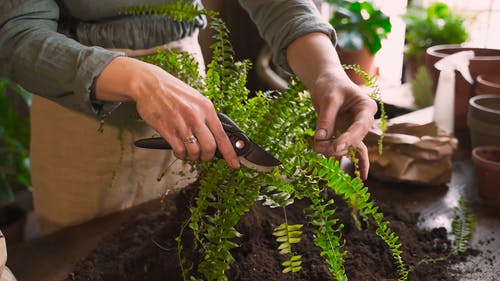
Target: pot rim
x=475 y=155
x=481 y=79
x=434 y=51
x=473 y=103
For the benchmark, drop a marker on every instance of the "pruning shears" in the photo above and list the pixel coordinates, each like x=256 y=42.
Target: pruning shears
x=250 y=154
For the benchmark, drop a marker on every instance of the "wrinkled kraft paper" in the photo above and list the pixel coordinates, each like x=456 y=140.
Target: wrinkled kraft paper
x=412 y=153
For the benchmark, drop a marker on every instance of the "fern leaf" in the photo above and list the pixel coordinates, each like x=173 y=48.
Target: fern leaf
x=357 y=196
x=462 y=226
x=178 y=11
x=286 y=235
x=328 y=232
x=293 y=264
x=275 y=198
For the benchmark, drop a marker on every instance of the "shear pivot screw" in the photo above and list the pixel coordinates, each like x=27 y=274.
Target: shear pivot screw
x=239 y=144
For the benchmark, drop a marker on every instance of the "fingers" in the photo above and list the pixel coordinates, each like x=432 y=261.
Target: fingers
x=192 y=146
x=211 y=135
x=222 y=141
x=195 y=136
x=353 y=116
x=183 y=116
x=206 y=143
x=201 y=141
x=325 y=126
x=364 y=162
x=352 y=137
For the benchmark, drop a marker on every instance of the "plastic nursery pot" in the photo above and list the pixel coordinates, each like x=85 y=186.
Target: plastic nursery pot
x=488 y=83
x=483 y=120
x=485 y=61
x=487 y=163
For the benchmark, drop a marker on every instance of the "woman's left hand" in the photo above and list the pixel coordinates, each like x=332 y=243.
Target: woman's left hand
x=345 y=113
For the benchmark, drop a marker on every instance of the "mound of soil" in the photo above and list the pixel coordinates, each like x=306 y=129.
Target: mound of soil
x=145 y=248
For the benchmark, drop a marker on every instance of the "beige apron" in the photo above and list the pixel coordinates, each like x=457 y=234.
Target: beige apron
x=76 y=171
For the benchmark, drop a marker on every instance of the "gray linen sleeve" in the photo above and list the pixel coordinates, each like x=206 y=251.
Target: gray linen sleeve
x=280 y=22
x=45 y=62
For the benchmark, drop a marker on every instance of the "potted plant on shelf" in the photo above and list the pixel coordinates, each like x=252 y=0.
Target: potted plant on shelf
x=360 y=28
x=14 y=161
x=426 y=27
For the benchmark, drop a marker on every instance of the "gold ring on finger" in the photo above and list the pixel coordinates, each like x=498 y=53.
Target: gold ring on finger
x=190 y=139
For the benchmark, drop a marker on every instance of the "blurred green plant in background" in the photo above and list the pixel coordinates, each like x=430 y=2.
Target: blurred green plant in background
x=359 y=25
x=422 y=88
x=435 y=25
x=14 y=142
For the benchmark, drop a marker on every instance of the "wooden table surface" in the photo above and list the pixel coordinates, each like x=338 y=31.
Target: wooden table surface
x=50 y=258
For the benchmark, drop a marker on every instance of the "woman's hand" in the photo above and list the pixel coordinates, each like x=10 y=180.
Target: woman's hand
x=345 y=113
x=169 y=106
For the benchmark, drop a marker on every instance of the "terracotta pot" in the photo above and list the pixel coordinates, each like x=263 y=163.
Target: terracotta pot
x=483 y=120
x=485 y=61
x=487 y=84
x=363 y=58
x=487 y=162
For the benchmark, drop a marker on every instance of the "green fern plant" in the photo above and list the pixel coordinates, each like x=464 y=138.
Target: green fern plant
x=281 y=123
x=462 y=227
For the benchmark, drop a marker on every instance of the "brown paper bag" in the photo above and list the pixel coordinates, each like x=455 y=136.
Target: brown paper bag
x=412 y=153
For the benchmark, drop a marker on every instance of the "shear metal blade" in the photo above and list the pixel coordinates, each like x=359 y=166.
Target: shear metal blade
x=259 y=159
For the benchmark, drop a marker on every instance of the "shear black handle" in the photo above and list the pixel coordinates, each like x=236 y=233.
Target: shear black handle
x=153 y=143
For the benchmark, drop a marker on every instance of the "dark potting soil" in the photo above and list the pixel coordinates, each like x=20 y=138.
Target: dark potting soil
x=145 y=249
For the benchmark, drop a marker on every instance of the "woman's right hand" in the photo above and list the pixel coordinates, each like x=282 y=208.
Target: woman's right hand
x=169 y=106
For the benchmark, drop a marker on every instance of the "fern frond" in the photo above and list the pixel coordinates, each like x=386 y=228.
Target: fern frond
x=357 y=196
x=183 y=263
x=328 y=233
x=274 y=198
x=286 y=235
x=288 y=121
x=216 y=214
x=226 y=78
x=182 y=65
x=178 y=11
x=462 y=226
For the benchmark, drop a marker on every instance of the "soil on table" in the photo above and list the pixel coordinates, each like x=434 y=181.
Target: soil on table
x=145 y=248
